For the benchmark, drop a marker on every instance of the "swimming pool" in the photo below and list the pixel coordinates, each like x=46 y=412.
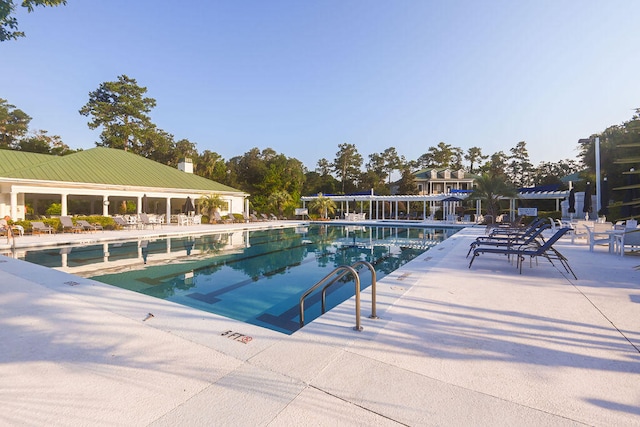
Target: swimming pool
x=255 y=276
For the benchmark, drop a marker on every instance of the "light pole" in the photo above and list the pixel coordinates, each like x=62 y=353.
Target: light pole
x=598 y=189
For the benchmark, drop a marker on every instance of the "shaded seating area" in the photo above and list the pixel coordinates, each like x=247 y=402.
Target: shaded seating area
x=532 y=251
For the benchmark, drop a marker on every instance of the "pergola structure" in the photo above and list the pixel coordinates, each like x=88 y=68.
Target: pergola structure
x=355 y=203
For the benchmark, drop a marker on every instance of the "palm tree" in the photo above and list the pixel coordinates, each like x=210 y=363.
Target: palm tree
x=489 y=189
x=323 y=205
x=279 y=201
x=210 y=203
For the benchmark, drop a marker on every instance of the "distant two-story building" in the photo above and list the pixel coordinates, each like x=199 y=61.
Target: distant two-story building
x=442 y=181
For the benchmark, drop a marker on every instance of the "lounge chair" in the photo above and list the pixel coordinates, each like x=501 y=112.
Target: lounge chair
x=120 y=221
x=231 y=218
x=547 y=251
x=531 y=237
x=217 y=218
x=87 y=226
x=68 y=225
x=146 y=222
x=15 y=228
x=38 y=227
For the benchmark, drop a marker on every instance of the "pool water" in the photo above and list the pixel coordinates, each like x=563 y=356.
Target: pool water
x=253 y=276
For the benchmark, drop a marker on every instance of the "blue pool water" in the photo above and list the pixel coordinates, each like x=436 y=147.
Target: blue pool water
x=253 y=276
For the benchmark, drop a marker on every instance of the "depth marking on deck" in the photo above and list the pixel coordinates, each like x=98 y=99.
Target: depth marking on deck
x=237 y=336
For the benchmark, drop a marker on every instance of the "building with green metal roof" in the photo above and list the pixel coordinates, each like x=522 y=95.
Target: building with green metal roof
x=102 y=178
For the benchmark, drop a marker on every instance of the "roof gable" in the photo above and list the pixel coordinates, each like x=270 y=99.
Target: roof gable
x=102 y=165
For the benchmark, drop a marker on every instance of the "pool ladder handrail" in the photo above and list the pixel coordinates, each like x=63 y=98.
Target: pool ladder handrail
x=344 y=269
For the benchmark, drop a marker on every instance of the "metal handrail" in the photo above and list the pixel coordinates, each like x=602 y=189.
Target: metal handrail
x=373 y=286
x=356 y=277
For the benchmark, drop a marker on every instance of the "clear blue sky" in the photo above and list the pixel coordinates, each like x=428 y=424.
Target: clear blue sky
x=302 y=77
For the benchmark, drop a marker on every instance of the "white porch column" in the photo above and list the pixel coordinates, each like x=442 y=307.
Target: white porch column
x=396 y=210
x=14 y=205
x=168 y=211
x=63 y=203
x=105 y=205
x=139 y=205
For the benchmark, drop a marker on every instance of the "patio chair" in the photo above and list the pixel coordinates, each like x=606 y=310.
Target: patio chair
x=599 y=234
x=630 y=238
x=197 y=219
x=231 y=218
x=546 y=250
x=38 y=227
x=89 y=227
x=68 y=225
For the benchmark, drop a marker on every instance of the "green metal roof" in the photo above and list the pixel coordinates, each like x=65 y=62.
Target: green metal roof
x=11 y=160
x=102 y=165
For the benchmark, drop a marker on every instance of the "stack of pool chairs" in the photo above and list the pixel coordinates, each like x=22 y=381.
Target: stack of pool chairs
x=522 y=242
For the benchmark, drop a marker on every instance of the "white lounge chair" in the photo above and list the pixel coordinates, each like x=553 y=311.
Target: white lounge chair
x=87 y=226
x=38 y=227
x=68 y=225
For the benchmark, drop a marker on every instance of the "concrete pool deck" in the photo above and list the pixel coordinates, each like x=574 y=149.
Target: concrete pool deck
x=452 y=346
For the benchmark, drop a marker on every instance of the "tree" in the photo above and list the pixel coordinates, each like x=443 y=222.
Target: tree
x=9 y=24
x=520 y=168
x=122 y=110
x=442 y=156
x=489 y=189
x=407 y=183
x=280 y=200
x=391 y=161
x=40 y=142
x=347 y=165
x=376 y=173
x=210 y=203
x=14 y=124
x=474 y=156
x=210 y=165
x=497 y=165
x=323 y=205
x=548 y=173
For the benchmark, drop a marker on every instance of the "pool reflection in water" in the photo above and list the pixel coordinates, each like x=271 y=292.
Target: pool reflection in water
x=253 y=276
